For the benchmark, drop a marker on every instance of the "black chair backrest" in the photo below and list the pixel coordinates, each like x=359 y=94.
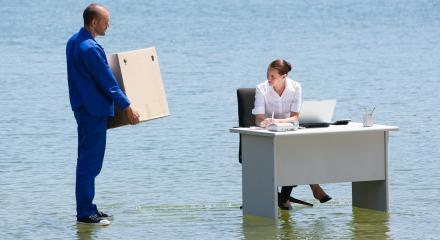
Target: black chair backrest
x=245 y=100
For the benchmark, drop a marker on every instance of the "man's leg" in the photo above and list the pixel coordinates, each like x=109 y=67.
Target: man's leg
x=91 y=147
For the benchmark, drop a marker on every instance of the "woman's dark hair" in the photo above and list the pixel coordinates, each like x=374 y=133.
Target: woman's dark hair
x=281 y=65
x=91 y=12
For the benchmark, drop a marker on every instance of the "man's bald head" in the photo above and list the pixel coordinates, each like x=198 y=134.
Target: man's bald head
x=96 y=19
x=93 y=11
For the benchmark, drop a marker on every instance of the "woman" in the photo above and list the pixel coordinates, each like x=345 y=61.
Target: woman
x=280 y=97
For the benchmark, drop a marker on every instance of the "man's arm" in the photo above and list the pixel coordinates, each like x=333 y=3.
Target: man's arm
x=106 y=81
x=103 y=76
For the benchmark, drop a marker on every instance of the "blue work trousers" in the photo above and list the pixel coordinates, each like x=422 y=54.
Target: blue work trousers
x=92 y=133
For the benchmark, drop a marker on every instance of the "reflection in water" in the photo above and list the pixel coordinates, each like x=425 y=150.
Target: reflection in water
x=88 y=232
x=283 y=229
x=304 y=224
x=293 y=227
x=370 y=224
x=259 y=228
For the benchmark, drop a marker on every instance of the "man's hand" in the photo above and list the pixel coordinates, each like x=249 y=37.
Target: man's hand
x=133 y=116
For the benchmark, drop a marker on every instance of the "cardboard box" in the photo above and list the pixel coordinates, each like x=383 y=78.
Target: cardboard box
x=138 y=75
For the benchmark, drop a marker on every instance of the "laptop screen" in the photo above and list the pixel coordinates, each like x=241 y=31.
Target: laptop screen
x=317 y=111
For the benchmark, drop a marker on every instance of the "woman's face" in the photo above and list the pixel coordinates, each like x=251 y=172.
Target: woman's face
x=274 y=78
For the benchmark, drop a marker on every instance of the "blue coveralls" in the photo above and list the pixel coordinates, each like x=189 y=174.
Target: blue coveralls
x=92 y=90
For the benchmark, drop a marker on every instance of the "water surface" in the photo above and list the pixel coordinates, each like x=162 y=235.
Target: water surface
x=179 y=177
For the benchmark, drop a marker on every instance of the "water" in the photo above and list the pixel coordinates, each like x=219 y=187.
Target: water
x=179 y=177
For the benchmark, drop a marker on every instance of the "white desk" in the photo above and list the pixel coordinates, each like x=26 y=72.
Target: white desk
x=344 y=153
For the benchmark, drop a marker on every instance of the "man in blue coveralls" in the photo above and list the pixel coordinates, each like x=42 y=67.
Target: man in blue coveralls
x=93 y=90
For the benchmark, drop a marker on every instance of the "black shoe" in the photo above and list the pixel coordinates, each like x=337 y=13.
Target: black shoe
x=103 y=215
x=93 y=220
x=285 y=205
x=294 y=200
x=326 y=198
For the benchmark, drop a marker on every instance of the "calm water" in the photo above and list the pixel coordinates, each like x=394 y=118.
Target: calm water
x=178 y=177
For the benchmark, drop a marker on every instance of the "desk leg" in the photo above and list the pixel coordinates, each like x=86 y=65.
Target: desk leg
x=259 y=190
x=372 y=195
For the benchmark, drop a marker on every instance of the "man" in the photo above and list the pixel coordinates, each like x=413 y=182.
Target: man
x=93 y=90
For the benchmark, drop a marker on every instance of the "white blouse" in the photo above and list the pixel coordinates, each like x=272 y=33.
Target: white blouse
x=268 y=101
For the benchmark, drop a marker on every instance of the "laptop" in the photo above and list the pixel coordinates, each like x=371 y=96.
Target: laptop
x=316 y=113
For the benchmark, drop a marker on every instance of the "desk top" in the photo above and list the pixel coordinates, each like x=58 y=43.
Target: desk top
x=351 y=127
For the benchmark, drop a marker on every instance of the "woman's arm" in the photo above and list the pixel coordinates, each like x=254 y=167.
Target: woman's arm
x=261 y=121
x=294 y=116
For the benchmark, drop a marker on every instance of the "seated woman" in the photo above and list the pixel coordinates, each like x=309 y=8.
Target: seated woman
x=280 y=97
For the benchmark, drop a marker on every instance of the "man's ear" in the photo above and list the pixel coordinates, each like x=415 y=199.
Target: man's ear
x=94 y=22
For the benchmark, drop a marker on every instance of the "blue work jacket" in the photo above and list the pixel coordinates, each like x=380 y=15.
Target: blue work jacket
x=92 y=85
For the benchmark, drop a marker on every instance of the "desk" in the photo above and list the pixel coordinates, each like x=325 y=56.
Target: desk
x=344 y=153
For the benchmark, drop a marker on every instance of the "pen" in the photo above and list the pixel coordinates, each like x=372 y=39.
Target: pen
x=272 y=116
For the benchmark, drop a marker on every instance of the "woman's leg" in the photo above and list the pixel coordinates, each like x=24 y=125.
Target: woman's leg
x=283 y=198
x=319 y=193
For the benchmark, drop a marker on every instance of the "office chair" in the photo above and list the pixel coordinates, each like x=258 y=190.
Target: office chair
x=245 y=100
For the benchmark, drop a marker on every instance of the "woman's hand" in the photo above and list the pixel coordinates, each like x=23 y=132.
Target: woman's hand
x=267 y=121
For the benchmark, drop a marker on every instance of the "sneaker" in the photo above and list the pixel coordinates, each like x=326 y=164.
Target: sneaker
x=103 y=215
x=93 y=220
